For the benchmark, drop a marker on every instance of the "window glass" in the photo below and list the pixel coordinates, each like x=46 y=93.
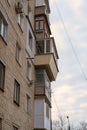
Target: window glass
x=2 y=75
x=28 y=104
x=41 y=24
x=18 y=49
x=29 y=71
x=20 y=19
x=30 y=40
x=48 y=46
x=37 y=25
x=47 y=110
x=16 y=92
x=0 y=124
x=3 y=26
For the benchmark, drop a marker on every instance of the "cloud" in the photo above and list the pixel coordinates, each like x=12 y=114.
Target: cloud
x=70 y=87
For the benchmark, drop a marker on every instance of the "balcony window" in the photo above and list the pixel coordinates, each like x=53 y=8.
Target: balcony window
x=42 y=78
x=3 y=26
x=40 y=47
x=48 y=48
x=47 y=111
x=43 y=46
x=2 y=75
x=39 y=25
x=16 y=92
x=39 y=77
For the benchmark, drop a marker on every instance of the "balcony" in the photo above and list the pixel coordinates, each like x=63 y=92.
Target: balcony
x=42 y=84
x=46 y=57
x=42 y=10
x=40 y=3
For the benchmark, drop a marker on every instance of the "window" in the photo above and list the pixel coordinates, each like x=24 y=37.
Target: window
x=39 y=25
x=0 y=124
x=18 y=49
x=16 y=92
x=2 y=75
x=47 y=110
x=48 y=46
x=28 y=104
x=40 y=47
x=20 y=19
x=30 y=40
x=3 y=26
x=15 y=128
x=29 y=71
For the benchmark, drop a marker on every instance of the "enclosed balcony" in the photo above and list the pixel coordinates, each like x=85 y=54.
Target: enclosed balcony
x=46 y=57
x=42 y=84
x=45 y=3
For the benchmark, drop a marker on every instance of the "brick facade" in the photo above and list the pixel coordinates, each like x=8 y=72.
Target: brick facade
x=10 y=113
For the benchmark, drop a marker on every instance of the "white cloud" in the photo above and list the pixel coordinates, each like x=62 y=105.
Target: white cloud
x=70 y=88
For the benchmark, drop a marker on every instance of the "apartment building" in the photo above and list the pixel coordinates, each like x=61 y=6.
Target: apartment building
x=17 y=50
x=28 y=65
x=46 y=67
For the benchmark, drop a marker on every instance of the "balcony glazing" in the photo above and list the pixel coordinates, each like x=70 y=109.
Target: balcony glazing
x=42 y=84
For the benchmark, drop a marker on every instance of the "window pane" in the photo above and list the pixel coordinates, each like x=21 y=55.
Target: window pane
x=30 y=40
x=29 y=71
x=16 y=92
x=40 y=46
x=2 y=75
x=41 y=24
x=18 y=49
x=3 y=26
x=37 y=25
x=20 y=19
x=48 y=46
x=47 y=110
x=0 y=124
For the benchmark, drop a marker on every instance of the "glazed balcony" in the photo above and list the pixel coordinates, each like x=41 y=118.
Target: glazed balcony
x=46 y=57
x=40 y=3
x=42 y=10
x=42 y=84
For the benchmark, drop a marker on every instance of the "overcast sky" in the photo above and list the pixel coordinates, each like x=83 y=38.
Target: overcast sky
x=70 y=88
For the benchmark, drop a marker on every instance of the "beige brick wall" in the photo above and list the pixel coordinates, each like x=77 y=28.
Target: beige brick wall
x=10 y=113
